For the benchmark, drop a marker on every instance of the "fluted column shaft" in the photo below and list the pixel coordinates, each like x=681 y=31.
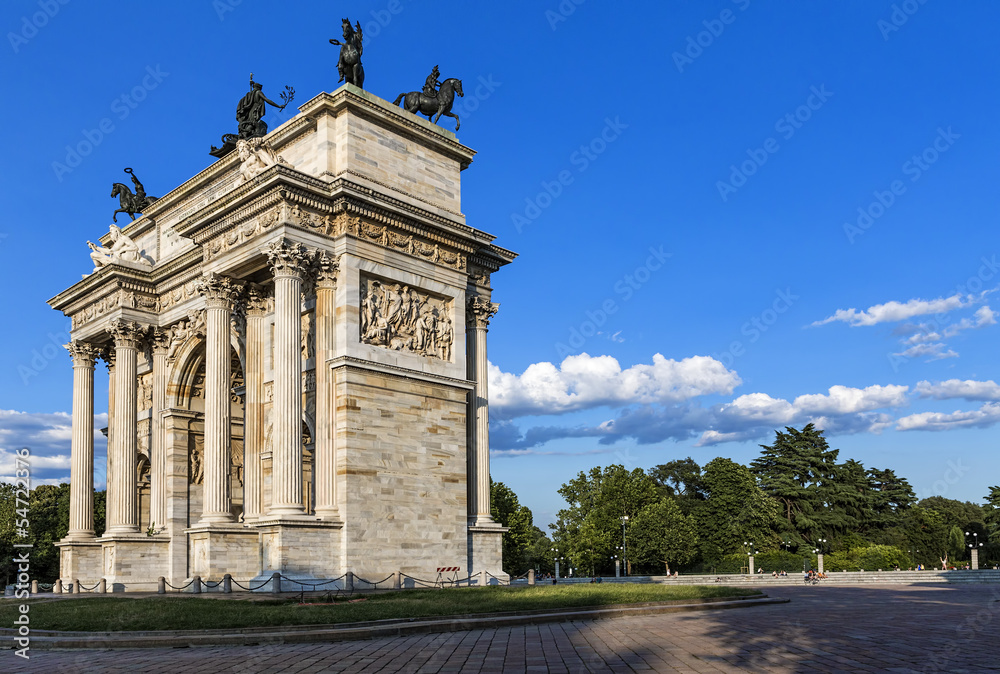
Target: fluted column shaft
x=220 y=293
x=478 y=317
x=158 y=443
x=288 y=262
x=81 y=481
x=326 y=439
x=253 y=431
x=122 y=507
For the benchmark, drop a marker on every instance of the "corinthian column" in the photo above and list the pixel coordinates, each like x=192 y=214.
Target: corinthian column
x=253 y=432
x=158 y=446
x=326 y=448
x=478 y=315
x=122 y=506
x=220 y=293
x=81 y=481
x=288 y=262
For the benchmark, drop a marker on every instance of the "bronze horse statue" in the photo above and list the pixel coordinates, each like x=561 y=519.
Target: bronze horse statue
x=349 y=65
x=419 y=102
x=130 y=203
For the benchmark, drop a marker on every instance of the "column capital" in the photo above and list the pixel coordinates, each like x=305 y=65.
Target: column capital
x=287 y=258
x=159 y=342
x=84 y=354
x=127 y=333
x=479 y=311
x=256 y=301
x=220 y=291
x=327 y=269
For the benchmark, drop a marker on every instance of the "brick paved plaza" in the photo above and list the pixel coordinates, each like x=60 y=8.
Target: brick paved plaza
x=823 y=629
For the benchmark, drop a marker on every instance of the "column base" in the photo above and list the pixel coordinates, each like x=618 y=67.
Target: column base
x=215 y=520
x=486 y=551
x=134 y=562
x=331 y=515
x=217 y=550
x=80 y=560
x=304 y=548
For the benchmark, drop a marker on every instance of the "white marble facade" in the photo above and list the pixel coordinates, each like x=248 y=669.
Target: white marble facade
x=298 y=380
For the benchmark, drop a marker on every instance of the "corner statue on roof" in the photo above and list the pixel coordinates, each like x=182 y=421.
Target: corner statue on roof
x=432 y=101
x=250 y=116
x=128 y=202
x=349 y=64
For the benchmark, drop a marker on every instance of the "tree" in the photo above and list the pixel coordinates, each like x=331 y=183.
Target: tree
x=956 y=545
x=682 y=479
x=926 y=534
x=991 y=517
x=661 y=533
x=892 y=496
x=521 y=537
x=735 y=511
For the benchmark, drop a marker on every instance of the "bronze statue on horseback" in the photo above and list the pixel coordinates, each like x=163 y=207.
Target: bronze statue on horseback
x=432 y=100
x=130 y=203
x=349 y=65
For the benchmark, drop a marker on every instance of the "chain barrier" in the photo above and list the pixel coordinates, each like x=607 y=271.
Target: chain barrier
x=182 y=587
x=425 y=583
x=312 y=585
x=374 y=585
x=250 y=589
x=84 y=588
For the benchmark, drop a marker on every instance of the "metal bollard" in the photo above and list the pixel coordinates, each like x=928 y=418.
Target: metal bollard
x=34 y=587
x=397 y=580
x=103 y=587
x=161 y=585
x=531 y=576
x=57 y=587
x=275 y=582
x=227 y=584
x=349 y=581
x=196 y=585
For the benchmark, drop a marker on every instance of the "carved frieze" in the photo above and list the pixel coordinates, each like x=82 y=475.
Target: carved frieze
x=398 y=317
x=118 y=299
x=240 y=233
x=179 y=294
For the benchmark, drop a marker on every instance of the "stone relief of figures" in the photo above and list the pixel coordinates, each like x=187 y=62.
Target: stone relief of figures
x=398 y=317
x=236 y=454
x=123 y=249
x=145 y=391
x=256 y=156
x=184 y=330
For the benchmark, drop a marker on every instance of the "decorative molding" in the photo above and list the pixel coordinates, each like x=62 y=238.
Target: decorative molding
x=159 y=341
x=398 y=372
x=401 y=318
x=127 y=334
x=327 y=270
x=287 y=258
x=83 y=353
x=119 y=299
x=257 y=301
x=241 y=233
x=220 y=291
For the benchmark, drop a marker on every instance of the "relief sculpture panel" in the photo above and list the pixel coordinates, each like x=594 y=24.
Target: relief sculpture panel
x=396 y=316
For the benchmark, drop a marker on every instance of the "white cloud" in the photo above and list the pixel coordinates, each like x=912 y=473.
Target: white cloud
x=985 y=416
x=48 y=437
x=934 y=351
x=968 y=389
x=587 y=382
x=894 y=311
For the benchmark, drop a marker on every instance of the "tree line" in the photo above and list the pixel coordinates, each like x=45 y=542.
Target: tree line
x=795 y=499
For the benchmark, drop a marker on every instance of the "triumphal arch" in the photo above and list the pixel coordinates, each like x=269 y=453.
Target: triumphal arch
x=295 y=340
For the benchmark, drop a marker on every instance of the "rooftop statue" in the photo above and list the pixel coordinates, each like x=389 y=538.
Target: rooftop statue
x=123 y=249
x=256 y=156
x=130 y=203
x=250 y=116
x=349 y=64
x=432 y=101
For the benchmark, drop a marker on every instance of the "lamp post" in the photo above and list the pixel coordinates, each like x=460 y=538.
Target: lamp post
x=751 y=551
x=556 y=558
x=973 y=549
x=618 y=566
x=624 y=551
x=820 y=543
x=913 y=557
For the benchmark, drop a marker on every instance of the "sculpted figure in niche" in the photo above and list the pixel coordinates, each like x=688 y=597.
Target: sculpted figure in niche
x=183 y=331
x=445 y=336
x=123 y=249
x=197 y=469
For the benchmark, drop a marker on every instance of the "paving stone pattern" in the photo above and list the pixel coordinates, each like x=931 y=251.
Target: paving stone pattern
x=824 y=629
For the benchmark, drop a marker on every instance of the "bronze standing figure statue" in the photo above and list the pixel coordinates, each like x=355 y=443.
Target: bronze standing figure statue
x=349 y=64
x=250 y=117
x=130 y=203
x=433 y=102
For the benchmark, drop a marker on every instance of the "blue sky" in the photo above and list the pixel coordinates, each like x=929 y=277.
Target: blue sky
x=731 y=216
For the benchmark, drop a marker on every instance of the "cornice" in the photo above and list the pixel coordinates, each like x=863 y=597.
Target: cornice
x=398 y=372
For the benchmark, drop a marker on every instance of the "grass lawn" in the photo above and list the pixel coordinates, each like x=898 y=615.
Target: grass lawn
x=173 y=612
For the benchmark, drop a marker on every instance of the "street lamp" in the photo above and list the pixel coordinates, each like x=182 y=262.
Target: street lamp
x=751 y=553
x=618 y=566
x=820 y=546
x=973 y=549
x=624 y=552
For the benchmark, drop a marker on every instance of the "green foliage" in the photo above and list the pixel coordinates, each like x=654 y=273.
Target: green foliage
x=771 y=562
x=662 y=534
x=867 y=558
x=520 y=543
x=681 y=479
x=735 y=511
x=956 y=545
